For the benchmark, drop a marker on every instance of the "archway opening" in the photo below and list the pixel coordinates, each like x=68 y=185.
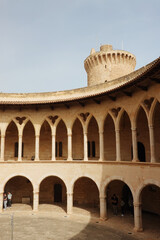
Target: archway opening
x=86 y=196
x=156 y=124
x=77 y=141
x=125 y=137
x=109 y=139
x=123 y=204
x=143 y=135
x=29 y=141
x=61 y=141
x=11 y=142
x=141 y=152
x=150 y=198
x=45 y=142
x=52 y=193
x=22 y=193
x=93 y=140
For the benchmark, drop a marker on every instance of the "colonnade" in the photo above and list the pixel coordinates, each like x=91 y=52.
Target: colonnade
x=101 y=146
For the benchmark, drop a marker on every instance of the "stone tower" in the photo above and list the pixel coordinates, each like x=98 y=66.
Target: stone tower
x=108 y=64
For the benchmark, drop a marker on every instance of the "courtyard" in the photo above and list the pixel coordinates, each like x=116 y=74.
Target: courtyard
x=52 y=223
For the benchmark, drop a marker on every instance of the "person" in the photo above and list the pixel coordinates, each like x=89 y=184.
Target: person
x=130 y=204
x=5 y=201
x=115 y=204
x=122 y=207
x=9 y=197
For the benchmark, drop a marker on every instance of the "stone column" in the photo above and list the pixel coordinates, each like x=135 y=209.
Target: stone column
x=152 y=143
x=69 y=203
x=134 y=145
x=101 y=146
x=138 y=217
x=37 y=148
x=1 y=202
x=118 y=146
x=103 y=208
x=20 y=148
x=2 y=147
x=85 y=147
x=69 y=147
x=53 y=147
x=35 y=201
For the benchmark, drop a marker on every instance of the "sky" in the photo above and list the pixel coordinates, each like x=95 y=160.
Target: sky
x=43 y=43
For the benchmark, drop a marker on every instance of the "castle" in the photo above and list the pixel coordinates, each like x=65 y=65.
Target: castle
x=102 y=139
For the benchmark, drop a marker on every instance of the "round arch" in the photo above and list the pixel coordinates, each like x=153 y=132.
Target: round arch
x=114 y=178
x=142 y=186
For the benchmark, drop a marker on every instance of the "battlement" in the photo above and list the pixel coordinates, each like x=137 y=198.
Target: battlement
x=108 y=64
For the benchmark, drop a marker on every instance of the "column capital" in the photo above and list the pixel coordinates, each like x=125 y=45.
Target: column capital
x=102 y=197
x=137 y=204
x=69 y=134
x=2 y=136
x=69 y=194
x=35 y=192
x=37 y=135
x=117 y=130
x=134 y=129
x=151 y=126
x=101 y=132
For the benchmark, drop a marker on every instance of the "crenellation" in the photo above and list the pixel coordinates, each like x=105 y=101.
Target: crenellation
x=120 y=63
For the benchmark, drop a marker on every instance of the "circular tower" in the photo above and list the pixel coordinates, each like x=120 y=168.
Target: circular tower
x=108 y=64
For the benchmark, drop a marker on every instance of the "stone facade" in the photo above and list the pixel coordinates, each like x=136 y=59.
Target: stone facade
x=99 y=140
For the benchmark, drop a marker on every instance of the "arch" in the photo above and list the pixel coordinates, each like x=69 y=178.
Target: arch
x=61 y=140
x=125 y=136
x=29 y=140
x=152 y=111
x=110 y=115
x=114 y=178
x=45 y=141
x=20 y=174
x=71 y=186
x=143 y=132
x=51 y=175
x=80 y=193
x=77 y=140
x=120 y=116
x=143 y=185
x=156 y=129
x=137 y=112
x=93 y=139
x=11 y=142
x=52 y=189
x=74 y=119
x=109 y=139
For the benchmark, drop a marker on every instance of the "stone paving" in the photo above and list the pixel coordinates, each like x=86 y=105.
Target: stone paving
x=52 y=223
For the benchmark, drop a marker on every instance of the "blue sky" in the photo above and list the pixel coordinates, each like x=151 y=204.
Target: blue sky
x=43 y=43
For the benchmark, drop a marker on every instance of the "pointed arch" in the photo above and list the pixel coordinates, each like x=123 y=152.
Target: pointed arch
x=93 y=139
x=156 y=128
x=125 y=136
x=11 y=142
x=77 y=140
x=61 y=140
x=29 y=140
x=109 y=138
x=45 y=143
x=143 y=135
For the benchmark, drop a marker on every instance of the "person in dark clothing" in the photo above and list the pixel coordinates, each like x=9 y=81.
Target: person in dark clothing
x=114 y=200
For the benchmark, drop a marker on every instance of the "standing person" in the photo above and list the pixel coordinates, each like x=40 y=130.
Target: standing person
x=5 y=201
x=130 y=204
x=114 y=199
x=122 y=207
x=9 y=199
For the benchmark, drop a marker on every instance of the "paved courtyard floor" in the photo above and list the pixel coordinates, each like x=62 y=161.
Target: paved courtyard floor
x=52 y=223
